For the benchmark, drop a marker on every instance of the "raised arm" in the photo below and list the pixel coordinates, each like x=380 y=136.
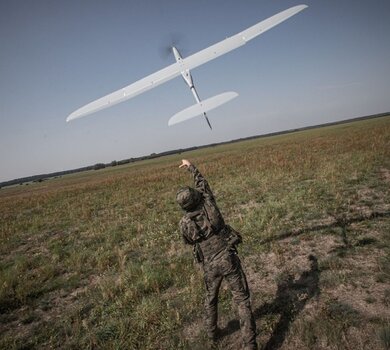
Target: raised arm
x=200 y=182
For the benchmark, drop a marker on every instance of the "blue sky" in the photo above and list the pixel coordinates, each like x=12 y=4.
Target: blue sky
x=329 y=62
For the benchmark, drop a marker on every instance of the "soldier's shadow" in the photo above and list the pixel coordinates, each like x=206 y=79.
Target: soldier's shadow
x=291 y=297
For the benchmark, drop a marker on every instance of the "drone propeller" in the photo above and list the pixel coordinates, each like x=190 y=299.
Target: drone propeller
x=175 y=40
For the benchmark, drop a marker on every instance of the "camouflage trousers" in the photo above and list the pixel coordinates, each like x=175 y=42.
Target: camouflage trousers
x=227 y=265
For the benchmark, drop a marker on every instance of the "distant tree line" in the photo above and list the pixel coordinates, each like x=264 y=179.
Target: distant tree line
x=98 y=166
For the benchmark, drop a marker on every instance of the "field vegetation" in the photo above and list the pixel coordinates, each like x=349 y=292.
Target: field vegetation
x=95 y=260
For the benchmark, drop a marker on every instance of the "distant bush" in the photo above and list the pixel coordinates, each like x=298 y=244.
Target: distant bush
x=98 y=166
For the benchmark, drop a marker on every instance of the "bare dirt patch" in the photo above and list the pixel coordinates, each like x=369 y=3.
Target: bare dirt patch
x=286 y=287
x=385 y=174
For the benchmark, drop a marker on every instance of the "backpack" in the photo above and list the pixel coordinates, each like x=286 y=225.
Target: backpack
x=231 y=237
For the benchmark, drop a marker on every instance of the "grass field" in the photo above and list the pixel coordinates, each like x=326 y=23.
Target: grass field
x=95 y=261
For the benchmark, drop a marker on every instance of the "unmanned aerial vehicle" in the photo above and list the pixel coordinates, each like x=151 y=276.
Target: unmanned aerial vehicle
x=182 y=67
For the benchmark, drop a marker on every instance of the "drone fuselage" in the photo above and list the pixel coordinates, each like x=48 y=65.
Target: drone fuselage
x=185 y=73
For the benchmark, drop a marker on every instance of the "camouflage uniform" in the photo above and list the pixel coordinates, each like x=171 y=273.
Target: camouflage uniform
x=214 y=246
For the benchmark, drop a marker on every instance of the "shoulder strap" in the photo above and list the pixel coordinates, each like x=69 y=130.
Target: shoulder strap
x=203 y=212
x=192 y=214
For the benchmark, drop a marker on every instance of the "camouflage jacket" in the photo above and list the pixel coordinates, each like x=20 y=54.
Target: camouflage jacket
x=200 y=226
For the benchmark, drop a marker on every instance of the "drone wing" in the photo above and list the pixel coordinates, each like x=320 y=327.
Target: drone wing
x=129 y=91
x=239 y=39
x=190 y=62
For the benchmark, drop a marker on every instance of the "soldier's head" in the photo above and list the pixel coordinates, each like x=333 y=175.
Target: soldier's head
x=188 y=198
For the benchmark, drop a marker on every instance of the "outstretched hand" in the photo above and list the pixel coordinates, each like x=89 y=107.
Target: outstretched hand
x=185 y=163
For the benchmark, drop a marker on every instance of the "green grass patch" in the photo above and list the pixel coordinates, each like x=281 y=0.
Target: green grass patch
x=95 y=260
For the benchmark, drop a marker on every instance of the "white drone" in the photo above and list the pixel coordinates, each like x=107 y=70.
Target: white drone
x=182 y=66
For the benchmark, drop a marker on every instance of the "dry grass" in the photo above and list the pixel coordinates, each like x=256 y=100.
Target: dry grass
x=95 y=260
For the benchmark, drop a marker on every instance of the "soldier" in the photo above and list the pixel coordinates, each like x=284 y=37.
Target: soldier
x=214 y=244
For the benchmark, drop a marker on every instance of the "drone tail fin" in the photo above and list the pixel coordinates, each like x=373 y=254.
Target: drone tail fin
x=202 y=107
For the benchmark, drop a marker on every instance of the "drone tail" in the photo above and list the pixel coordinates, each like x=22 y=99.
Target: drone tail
x=202 y=107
